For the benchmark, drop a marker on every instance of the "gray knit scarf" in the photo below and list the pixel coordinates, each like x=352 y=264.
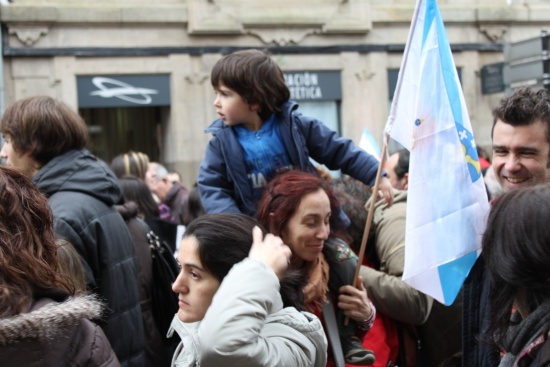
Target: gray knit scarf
x=522 y=332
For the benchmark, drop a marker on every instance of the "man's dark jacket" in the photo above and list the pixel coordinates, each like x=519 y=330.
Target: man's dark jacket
x=476 y=348
x=82 y=192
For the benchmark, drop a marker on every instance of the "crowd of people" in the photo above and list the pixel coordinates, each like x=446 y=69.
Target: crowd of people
x=266 y=244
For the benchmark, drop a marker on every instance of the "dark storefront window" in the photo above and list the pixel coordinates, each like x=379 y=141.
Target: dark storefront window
x=113 y=131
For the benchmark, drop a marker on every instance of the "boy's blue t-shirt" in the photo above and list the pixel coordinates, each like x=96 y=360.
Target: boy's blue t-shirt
x=264 y=154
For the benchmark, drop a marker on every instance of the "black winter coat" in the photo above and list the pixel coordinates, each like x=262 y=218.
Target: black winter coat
x=82 y=192
x=157 y=354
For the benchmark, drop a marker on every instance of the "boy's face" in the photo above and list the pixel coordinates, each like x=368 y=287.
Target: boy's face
x=233 y=109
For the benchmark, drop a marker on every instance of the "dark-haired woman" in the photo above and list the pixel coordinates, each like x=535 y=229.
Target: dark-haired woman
x=516 y=248
x=41 y=321
x=235 y=301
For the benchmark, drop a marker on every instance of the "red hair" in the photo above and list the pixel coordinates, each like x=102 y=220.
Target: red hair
x=282 y=195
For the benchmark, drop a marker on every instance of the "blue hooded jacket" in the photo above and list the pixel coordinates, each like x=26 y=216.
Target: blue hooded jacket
x=222 y=178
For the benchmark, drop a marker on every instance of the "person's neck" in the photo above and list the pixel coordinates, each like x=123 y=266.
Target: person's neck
x=255 y=124
x=297 y=263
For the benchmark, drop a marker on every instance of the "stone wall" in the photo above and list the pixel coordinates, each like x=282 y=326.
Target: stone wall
x=49 y=42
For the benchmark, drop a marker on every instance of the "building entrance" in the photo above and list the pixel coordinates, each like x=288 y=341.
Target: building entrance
x=113 y=131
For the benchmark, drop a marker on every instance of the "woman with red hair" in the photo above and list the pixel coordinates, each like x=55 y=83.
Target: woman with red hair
x=300 y=208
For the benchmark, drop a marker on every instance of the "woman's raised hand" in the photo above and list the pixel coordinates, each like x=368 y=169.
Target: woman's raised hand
x=271 y=251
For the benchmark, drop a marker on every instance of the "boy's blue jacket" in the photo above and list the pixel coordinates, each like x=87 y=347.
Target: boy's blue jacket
x=222 y=179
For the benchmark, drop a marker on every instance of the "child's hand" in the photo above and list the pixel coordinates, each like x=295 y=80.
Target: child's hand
x=354 y=302
x=387 y=190
x=271 y=251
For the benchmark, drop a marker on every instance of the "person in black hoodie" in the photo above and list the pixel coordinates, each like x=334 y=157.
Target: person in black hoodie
x=45 y=140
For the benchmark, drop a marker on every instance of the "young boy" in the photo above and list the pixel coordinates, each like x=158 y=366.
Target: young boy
x=260 y=132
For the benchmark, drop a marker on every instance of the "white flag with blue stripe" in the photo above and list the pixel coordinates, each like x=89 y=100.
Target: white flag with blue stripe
x=447 y=202
x=369 y=145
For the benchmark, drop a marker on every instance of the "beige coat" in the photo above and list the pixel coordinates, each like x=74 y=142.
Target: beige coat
x=388 y=292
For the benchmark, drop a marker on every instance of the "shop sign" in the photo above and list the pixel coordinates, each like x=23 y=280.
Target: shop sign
x=123 y=90
x=314 y=85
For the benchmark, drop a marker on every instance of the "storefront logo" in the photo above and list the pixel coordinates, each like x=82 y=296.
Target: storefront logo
x=112 y=88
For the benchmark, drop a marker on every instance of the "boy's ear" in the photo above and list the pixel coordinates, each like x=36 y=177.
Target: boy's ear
x=254 y=107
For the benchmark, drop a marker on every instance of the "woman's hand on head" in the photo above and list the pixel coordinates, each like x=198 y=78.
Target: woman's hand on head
x=354 y=302
x=271 y=251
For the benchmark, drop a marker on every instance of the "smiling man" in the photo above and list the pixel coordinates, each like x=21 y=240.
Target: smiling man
x=521 y=139
x=521 y=157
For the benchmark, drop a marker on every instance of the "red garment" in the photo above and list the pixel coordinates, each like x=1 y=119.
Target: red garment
x=382 y=339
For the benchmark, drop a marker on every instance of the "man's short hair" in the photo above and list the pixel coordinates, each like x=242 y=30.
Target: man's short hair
x=44 y=127
x=402 y=165
x=524 y=107
x=255 y=77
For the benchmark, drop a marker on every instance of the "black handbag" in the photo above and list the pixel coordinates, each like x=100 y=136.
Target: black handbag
x=164 y=301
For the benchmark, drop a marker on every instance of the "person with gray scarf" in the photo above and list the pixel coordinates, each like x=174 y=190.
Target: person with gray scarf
x=517 y=255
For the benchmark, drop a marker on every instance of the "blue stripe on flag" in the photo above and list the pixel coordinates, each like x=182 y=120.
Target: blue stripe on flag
x=433 y=17
x=452 y=275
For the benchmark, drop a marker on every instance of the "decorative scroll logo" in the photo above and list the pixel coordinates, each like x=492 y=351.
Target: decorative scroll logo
x=121 y=90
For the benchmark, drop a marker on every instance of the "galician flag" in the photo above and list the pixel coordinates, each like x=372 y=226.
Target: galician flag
x=447 y=202
x=369 y=145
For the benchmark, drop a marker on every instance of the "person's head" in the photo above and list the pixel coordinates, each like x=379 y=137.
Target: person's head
x=516 y=252
x=521 y=139
x=134 y=189
x=397 y=167
x=174 y=176
x=38 y=129
x=131 y=163
x=70 y=264
x=157 y=180
x=300 y=208
x=194 y=208
x=28 y=252
x=257 y=81
x=352 y=196
x=211 y=245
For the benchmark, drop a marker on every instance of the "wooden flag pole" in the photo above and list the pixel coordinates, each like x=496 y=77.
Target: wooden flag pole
x=369 y=219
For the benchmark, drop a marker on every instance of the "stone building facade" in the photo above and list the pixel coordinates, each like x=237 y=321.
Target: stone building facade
x=340 y=59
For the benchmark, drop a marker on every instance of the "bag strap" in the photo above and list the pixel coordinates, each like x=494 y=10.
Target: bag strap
x=332 y=333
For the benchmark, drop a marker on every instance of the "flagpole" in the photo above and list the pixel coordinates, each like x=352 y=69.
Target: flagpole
x=384 y=149
x=369 y=222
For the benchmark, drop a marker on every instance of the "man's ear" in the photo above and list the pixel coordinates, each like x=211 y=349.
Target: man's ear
x=405 y=179
x=36 y=165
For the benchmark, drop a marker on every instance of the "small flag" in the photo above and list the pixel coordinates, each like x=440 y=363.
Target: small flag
x=447 y=202
x=369 y=145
